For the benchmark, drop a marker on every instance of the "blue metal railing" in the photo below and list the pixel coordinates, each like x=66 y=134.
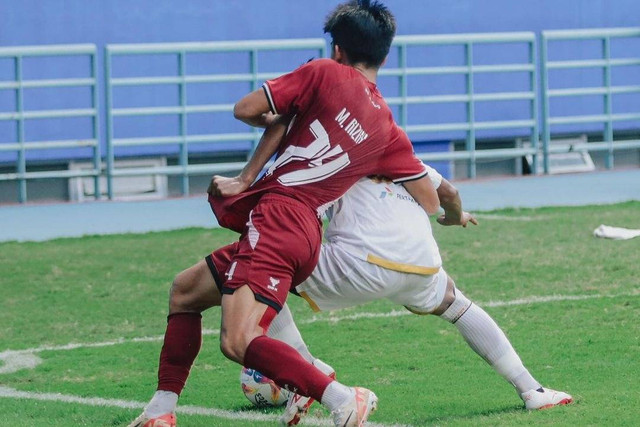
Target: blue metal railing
x=182 y=79
x=606 y=63
x=468 y=96
x=523 y=43
x=20 y=115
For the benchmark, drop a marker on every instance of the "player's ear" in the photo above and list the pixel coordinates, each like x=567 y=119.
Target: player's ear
x=337 y=54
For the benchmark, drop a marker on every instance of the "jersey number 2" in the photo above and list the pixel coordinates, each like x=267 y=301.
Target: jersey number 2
x=315 y=153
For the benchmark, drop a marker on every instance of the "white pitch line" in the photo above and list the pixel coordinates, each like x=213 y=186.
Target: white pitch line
x=21 y=359
x=551 y=298
x=6 y=392
x=13 y=362
x=508 y=303
x=319 y=318
x=511 y=218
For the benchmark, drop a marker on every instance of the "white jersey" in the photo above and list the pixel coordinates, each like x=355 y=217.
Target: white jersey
x=381 y=223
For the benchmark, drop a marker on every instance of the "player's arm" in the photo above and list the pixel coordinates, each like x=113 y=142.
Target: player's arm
x=254 y=110
x=269 y=142
x=423 y=192
x=451 y=202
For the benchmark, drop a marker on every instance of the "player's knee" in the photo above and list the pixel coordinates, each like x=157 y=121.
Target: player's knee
x=232 y=347
x=448 y=299
x=181 y=295
x=457 y=308
x=226 y=347
x=176 y=292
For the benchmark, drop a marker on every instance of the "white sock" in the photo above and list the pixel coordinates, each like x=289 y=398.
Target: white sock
x=163 y=402
x=486 y=338
x=326 y=369
x=335 y=395
x=283 y=328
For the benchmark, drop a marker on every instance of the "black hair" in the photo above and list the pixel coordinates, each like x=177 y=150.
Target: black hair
x=363 y=29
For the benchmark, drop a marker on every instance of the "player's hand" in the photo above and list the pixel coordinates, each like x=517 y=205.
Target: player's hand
x=464 y=220
x=226 y=186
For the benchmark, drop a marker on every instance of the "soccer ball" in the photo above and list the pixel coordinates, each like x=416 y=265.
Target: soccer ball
x=260 y=390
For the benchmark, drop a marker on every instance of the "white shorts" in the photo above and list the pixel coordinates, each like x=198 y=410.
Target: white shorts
x=341 y=280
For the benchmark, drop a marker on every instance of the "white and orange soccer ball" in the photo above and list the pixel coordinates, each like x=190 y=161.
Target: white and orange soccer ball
x=260 y=390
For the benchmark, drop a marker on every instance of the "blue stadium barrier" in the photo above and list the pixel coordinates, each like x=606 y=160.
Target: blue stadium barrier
x=72 y=67
x=174 y=100
x=603 y=62
x=491 y=78
x=224 y=71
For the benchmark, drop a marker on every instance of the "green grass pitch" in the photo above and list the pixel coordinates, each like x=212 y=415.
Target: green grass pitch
x=88 y=314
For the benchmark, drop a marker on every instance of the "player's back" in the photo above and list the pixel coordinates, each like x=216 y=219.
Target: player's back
x=379 y=221
x=341 y=131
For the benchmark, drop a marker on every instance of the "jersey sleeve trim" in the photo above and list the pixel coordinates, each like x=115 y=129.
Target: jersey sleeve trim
x=267 y=92
x=434 y=176
x=411 y=178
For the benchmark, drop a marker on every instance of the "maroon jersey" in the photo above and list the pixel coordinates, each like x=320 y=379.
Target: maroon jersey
x=342 y=131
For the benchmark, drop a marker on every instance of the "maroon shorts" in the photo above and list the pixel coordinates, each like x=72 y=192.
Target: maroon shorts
x=277 y=251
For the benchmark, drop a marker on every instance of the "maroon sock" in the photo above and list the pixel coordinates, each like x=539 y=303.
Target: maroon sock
x=182 y=342
x=284 y=365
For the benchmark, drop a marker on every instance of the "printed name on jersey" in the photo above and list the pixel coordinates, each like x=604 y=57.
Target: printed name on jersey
x=354 y=129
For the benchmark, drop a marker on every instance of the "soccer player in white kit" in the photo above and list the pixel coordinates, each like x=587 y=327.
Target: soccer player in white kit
x=379 y=245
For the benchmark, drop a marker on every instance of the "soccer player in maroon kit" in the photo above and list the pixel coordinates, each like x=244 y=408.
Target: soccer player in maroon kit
x=341 y=131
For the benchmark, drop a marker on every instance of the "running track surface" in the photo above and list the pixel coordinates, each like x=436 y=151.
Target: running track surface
x=40 y=222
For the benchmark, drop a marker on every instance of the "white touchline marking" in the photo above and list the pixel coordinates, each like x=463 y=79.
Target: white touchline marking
x=7 y=392
x=15 y=360
x=550 y=298
x=20 y=359
x=520 y=301
x=511 y=218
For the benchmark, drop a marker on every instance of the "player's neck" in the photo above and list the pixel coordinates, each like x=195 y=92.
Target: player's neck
x=370 y=74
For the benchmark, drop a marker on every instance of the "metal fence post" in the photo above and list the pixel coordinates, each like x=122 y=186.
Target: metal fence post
x=471 y=133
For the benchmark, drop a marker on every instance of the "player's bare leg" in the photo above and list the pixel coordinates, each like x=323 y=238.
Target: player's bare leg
x=243 y=320
x=192 y=292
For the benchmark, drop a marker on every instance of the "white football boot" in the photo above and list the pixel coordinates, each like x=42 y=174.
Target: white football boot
x=166 y=420
x=354 y=413
x=547 y=398
x=298 y=405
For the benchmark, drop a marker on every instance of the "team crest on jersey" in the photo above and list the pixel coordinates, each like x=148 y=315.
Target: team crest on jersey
x=368 y=92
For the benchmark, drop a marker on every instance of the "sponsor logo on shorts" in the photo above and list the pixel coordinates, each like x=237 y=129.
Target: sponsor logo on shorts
x=231 y=270
x=274 y=284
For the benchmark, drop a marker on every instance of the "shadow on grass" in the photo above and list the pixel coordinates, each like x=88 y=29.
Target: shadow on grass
x=275 y=410
x=435 y=419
